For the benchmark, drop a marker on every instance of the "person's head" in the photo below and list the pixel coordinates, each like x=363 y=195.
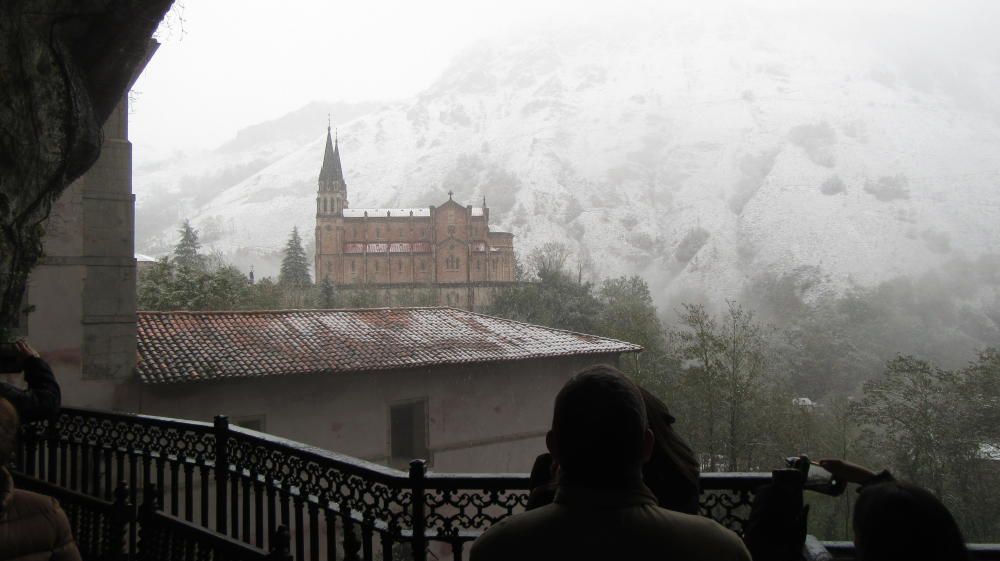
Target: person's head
x=897 y=520
x=600 y=436
x=8 y=430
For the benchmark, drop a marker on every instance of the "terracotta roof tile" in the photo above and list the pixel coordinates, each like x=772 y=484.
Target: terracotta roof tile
x=190 y=346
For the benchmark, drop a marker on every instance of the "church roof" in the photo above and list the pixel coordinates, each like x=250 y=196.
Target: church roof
x=331 y=170
x=196 y=346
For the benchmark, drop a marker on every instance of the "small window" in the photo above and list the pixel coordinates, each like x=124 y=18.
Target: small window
x=478 y=264
x=399 y=266
x=376 y=266
x=408 y=431
x=352 y=265
x=378 y=232
x=423 y=266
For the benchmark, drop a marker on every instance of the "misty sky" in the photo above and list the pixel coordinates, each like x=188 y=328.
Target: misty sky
x=227 y=64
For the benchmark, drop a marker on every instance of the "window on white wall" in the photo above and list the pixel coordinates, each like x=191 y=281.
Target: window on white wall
x=408 y=431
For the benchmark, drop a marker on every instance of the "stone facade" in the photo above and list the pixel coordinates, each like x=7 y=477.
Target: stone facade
x=83 y=289
x=448 y=249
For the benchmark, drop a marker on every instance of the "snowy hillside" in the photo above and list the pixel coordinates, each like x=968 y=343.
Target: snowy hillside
x=699 y=152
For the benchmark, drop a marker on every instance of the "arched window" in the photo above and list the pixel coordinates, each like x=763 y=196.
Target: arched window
x=478 y=264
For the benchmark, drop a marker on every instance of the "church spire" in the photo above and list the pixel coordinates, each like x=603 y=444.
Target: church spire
x=331 y=170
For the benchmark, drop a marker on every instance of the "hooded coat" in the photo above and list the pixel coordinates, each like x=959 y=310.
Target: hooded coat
x=32 y=527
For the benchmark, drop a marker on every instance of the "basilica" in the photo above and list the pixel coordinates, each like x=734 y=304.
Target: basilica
x=448 y=249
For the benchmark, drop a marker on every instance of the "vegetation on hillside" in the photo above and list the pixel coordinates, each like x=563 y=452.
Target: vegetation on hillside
x=819 y=379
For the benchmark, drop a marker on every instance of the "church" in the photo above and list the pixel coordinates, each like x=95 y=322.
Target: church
x=446 y=251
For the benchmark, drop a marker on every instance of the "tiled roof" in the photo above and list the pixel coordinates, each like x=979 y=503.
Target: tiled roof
x=191 y=346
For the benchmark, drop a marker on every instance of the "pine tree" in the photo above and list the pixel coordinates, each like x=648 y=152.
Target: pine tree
x=326 y=294
x=153 y=288
x=186 y=251
x=295 y=265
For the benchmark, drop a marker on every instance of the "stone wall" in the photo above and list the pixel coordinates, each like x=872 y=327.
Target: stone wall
x=480 y=418
x=83 y=289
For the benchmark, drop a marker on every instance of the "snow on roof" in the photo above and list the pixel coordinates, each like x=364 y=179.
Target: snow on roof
x=193 y=346
x=144 y=258
x=383 y=212
x=477 y=211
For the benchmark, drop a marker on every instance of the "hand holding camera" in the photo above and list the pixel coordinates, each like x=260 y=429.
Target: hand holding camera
x=13 y=355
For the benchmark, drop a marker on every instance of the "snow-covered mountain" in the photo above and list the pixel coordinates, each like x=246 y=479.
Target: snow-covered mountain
x=700 y=152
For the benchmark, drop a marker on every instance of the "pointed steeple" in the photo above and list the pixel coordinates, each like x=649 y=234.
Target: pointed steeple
x=331 y=170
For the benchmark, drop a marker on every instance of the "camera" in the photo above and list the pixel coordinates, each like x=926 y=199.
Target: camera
x=816 y=478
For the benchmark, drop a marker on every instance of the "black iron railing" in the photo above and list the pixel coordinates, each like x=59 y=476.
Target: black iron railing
x=245 y=485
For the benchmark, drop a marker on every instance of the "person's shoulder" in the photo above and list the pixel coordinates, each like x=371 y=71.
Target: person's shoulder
x=704 y=533
x=29 y=503
x=512 y=532
x=32 y=508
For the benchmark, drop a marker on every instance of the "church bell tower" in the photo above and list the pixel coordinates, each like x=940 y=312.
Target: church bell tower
x=332 y=196
x=331 y=200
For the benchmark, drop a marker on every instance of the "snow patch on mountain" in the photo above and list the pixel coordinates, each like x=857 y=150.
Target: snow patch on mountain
x=699 y=153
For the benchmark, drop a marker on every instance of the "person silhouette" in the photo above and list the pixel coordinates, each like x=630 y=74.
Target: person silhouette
x=600 y=439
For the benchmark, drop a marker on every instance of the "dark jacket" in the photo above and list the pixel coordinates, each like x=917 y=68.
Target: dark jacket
x=42 y=397
x=603 y=524
x=672 y=472
x=32 y=527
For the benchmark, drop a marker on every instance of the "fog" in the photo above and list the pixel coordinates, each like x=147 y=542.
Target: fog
x=227 y=64
x=792 y=206
x=783 y=154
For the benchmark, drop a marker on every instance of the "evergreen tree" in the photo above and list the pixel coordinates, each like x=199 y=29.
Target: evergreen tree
x=264 y=295
x=186 y=251
x=227 y=289
x=628 y=313
x=326 y=294
x=153 y=289
x=295 y=264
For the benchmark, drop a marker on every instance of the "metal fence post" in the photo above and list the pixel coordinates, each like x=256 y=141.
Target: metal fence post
x=221 y=471
x=418 y=469
x=122 y=516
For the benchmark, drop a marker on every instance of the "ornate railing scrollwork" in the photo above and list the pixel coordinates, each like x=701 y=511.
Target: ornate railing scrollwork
x=246 y=485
